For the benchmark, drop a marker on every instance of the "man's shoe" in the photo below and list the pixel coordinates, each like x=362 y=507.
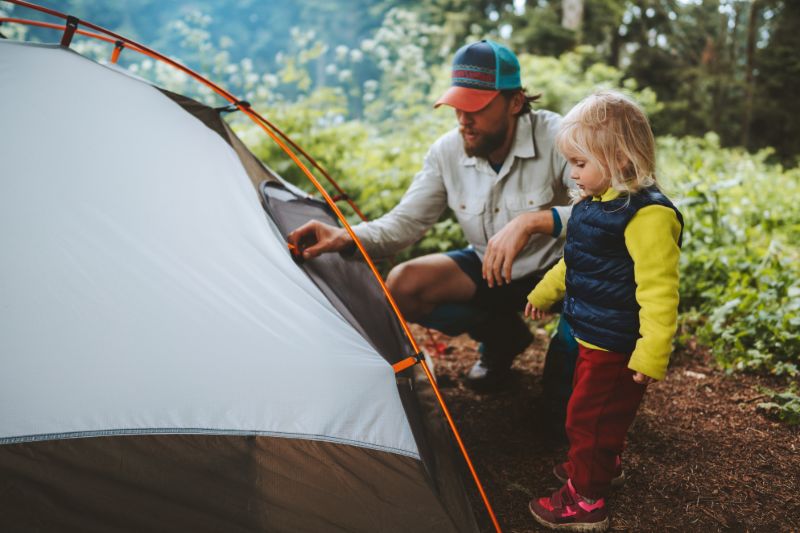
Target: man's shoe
x=560 y=471
x=493 y=369
x=487 y=378
x=567 y=510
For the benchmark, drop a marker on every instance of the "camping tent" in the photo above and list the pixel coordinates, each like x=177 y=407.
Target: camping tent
x=164 y=363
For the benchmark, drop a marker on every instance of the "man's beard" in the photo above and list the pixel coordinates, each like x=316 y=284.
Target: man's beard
x=486 y=142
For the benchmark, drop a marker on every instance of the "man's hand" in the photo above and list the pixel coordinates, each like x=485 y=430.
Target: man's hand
x=505 y=245
x=315 y=238
x=641 y=379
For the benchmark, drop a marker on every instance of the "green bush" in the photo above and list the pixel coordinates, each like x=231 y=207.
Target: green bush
x=783 y=406
x=739 y=268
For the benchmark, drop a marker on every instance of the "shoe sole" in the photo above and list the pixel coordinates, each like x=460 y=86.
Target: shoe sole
x=616 y=482
x=596 y=527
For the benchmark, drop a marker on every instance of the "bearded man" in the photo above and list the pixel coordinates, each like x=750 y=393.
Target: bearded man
x=508 y=187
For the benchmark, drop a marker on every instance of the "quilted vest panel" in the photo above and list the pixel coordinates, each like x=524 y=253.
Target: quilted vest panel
x=600 y=302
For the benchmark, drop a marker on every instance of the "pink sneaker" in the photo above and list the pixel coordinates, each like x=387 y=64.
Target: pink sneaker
x=567 y=510
x=560 y=471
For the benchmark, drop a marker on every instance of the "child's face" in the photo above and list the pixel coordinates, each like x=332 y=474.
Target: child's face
x=591 y=179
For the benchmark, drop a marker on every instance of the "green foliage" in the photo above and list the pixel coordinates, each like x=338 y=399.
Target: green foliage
x=539 y=31
x=406 y=52
x=565 y=80
x=783 y=406
x=740 y=284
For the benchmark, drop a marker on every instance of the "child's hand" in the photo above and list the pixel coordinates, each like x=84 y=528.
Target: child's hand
x=536 y=314
x=641 y=379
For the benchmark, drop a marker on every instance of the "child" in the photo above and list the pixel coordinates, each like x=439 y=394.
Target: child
x=619 y=283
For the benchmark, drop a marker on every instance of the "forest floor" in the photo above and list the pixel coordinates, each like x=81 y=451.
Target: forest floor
x=699 y=457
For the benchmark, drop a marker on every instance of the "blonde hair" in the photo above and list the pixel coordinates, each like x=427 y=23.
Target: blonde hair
x=611 y=130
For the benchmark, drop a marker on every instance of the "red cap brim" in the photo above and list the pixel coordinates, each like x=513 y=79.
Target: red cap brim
x=466 y=99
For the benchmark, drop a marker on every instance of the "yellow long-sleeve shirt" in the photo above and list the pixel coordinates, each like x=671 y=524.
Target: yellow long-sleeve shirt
x=651 y=238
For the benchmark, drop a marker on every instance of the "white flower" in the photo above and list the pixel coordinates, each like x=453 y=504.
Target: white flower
x=345 y=75
x=270 y=80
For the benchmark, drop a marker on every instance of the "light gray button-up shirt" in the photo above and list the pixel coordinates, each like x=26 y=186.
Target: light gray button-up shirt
x=534 y=177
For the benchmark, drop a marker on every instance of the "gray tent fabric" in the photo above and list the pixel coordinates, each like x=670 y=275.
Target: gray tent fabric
x=164 y=363
x=212 y=483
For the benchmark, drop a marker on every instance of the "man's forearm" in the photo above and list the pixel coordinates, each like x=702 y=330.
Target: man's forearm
x=538 y=222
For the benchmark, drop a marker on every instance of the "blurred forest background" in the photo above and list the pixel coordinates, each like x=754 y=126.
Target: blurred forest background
x=352 y=81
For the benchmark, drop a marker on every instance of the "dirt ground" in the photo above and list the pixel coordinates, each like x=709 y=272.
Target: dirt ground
x=699 y=456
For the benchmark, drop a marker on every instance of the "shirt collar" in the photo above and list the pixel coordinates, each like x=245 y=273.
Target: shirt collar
x=524 y=145
x=610 y=194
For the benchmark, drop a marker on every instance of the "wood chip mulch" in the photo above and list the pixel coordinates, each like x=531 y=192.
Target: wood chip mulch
x=699 y=457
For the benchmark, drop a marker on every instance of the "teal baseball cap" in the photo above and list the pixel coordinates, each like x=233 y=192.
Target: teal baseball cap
x=480 y=71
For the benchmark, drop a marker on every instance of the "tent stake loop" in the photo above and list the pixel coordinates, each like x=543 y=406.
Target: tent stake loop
x=69 y=30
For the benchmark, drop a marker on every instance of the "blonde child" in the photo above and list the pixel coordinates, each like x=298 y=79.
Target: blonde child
x=619 y=284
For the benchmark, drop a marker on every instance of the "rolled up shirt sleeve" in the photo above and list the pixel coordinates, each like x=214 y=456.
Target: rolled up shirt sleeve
x=652 y=241
x=418 y=210
x=560 y=217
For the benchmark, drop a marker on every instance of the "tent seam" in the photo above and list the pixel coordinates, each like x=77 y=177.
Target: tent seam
x=201 y=431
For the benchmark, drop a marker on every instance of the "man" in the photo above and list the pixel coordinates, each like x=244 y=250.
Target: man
x=507 y=185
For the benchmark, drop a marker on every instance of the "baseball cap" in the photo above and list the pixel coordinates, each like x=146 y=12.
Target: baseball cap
x=480 y=71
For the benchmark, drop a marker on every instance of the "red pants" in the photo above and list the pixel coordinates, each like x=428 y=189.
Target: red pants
x=603 y=404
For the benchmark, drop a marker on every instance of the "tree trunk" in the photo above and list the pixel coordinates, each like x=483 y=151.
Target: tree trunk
x=616 y=44
x=572 y=15
x=722 y=72
x=749 y=68
x=733 y=55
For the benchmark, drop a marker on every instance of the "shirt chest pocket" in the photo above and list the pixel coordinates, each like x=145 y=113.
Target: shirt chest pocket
x=529 y=201
x=470 y=215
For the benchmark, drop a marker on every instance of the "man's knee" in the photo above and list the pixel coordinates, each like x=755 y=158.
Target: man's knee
x=419 y=285
x=406 y=280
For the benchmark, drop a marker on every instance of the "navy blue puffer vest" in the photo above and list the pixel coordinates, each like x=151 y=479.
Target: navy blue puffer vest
x=600 y=303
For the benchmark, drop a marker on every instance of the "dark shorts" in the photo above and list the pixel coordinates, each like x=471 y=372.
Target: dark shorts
x=511 y=297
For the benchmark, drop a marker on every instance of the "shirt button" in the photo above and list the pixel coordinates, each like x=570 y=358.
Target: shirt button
x=496 y=209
